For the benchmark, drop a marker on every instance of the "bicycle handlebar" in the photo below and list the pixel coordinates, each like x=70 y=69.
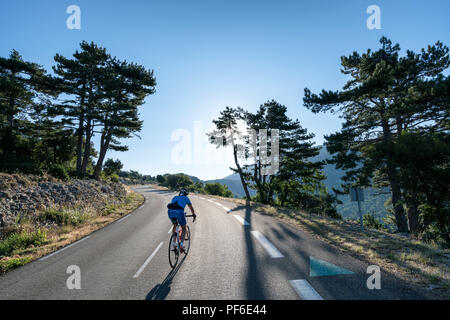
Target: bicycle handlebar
x=191 y=215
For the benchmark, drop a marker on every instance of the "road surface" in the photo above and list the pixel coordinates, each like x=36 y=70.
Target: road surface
x=235 y=254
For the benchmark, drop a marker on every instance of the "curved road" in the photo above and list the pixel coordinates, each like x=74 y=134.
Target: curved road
x=235 y=254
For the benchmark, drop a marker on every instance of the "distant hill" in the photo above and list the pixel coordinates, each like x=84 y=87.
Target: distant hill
x=374 y=202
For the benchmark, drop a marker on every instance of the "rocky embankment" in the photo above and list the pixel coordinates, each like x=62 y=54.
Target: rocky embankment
x=26 y=195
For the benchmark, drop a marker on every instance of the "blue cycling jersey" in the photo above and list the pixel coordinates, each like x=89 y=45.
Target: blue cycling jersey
x=181 y=200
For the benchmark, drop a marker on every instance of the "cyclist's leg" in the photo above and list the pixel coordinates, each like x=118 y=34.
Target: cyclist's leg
x=182 y=222
x=175 y=223
x=173 y=216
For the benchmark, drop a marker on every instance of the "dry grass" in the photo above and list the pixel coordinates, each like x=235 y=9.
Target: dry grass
x=60 y=236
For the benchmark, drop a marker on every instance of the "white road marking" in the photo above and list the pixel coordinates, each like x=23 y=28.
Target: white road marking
x=142 y=205
x=147 y=261
x=227 y=209
x=120 y=220
x=305 y=290
x=270 y=248
x=170 y=230
x=62 y=249
x=242 y=221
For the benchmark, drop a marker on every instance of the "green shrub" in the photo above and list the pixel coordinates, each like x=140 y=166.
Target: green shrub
x=22 y=240
x=13 y=263
x=217 y=189
x=114 y=177
x=332 y=212
x=59 y=171
x=370 y=222
x=63 y=217
x=109 y=208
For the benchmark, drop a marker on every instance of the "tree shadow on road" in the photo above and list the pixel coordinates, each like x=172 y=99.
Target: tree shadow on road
x=162 y=290
x=254 y=282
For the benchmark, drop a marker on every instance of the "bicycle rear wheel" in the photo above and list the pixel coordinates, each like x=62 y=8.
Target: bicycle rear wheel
x=173 y=253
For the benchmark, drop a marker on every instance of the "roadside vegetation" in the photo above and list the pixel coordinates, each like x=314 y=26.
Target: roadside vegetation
x=180 y=180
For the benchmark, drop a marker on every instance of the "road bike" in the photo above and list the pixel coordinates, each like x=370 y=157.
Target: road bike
x=174 y=253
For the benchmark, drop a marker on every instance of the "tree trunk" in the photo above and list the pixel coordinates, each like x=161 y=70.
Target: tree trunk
x=103 y=148
x=87 y=148
x=80 y=144
x=413 y=214
x=257 y=178
x=241 y=175
x=8 y=139
x=399 y=212
x=80 y=136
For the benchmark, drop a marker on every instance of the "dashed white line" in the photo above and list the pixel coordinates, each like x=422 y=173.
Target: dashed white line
x=242 y=221
x=170 y=230
x=305 y=290
x=270 y=248
x=227 y=209
x=62 y=249
x=147 y=261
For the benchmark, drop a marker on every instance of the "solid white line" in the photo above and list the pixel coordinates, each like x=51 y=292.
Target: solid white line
x=270 y=248
x=305 y=290
x=64 y=248
x=147 y=261
x=226 y=209
x=242 y=221
x=120 y=220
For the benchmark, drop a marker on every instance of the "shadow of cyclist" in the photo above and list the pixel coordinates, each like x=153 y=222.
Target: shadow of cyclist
x=161 y=290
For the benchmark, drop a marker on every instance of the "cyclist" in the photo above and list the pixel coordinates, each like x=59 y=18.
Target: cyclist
x=176 y=213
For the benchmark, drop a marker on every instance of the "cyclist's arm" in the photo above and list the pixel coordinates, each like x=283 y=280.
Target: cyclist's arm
x=191 y=208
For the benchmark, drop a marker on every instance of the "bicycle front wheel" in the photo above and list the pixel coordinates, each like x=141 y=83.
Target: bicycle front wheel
x=187 y=240
x=173 y=252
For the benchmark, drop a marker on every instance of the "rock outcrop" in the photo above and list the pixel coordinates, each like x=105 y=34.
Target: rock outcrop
x=29 y=195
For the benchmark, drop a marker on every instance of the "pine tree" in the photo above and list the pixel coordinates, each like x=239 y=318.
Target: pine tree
x=24 y=87
x=295 y=151
x=125 y=86
x=81 y=80
x=386 y=95
x=228 y=134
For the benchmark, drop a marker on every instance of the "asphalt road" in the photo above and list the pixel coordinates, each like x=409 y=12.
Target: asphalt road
x=235 y=254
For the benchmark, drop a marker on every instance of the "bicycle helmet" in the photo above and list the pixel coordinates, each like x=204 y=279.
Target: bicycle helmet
x=183 y=192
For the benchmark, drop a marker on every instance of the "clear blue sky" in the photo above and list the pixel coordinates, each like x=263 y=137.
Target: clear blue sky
x=209 y=54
